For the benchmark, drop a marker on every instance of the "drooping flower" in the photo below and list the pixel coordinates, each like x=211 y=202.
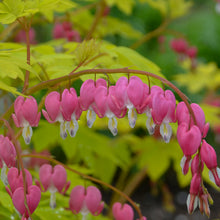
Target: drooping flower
x=122 y=212
x=33 y=197
x=70 y=110
x=182 y=115
x=86 y=201
x=189 y=140
x=7 y=156
x=208 y=156
x=163 y=112
x=26 y=116
x=54 y=111
x=15 y=180
x=53 y=179
x=86 y=99
x=192 y=199
x=147 y=107
x=179 y=45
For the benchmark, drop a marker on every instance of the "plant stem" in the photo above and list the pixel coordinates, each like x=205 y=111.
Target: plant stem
x=53 y=82
x=89 y=178
x=158 y=31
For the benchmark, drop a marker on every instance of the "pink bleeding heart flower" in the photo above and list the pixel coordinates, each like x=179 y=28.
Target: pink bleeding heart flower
x=54 y=111
x=192 y=199
x=15 y=179
x=208 y=156
x=182 y=115
x=33 y=198
x=26 y=116
x=86 y=100
x=189 y=140
x=102 y=108
x=122 y=212
x=73 y=35
x=163 y=112
x=86 y=200
x=136 y=94
x=21 y=36
x=179 y=45
x=192 y=52
x=70 y=110
x=58 y=31
x=7 y=156
x=53 y=179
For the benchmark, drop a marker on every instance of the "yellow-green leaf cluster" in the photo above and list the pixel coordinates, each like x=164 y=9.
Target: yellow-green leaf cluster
x=170 y=8
x=204 y=77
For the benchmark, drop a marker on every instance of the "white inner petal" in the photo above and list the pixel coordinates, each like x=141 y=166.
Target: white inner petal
x=150 y=125
x=112 y=125
x=72 y=126
x=91 y=116
x=27 y=133
x=132 y=117
x=166 y=132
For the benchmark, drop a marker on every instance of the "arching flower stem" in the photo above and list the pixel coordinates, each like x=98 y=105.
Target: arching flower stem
x=46 y=84
x=89 y=178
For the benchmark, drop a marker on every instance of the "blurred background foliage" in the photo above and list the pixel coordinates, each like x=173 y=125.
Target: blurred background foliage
x=128 y=33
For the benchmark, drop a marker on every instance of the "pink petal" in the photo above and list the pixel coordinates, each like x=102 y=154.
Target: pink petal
x=124 y=212
x=189 y=139
x=59 y=177
x=15 y=179
x=76 y=199
x=45 y=175
x=7 y=151
x=30 y=110
x=93 y=200
x=135 y=91
x=33 y=198
x=52 y=104
x=101 y=101
x=69 y=103
x=87 y=93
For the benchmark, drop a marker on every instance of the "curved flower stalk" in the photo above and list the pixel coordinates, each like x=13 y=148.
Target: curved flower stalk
x=7 y=157
x=26 y=116
x=53 y=179
x=86 y=201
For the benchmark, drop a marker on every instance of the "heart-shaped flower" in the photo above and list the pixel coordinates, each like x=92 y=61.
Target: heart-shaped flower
x=122 y=212
x=33 y=198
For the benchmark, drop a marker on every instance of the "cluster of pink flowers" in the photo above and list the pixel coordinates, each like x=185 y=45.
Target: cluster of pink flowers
x=182 y=48
x=191 y=138
x=127 y=97
x=64 y=30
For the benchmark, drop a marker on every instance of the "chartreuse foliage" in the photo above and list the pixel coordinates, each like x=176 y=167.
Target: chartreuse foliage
x=94 y=151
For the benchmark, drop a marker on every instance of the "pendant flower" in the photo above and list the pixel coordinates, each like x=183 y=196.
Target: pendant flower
x=26 y=116
x=86 y=201
x=7 y=157
x=53 y=179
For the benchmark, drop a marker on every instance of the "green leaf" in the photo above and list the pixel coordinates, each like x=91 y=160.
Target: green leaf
x=10 y=10
x=10 y=89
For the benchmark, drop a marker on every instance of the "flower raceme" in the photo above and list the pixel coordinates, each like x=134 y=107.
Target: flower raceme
x=26 y=116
